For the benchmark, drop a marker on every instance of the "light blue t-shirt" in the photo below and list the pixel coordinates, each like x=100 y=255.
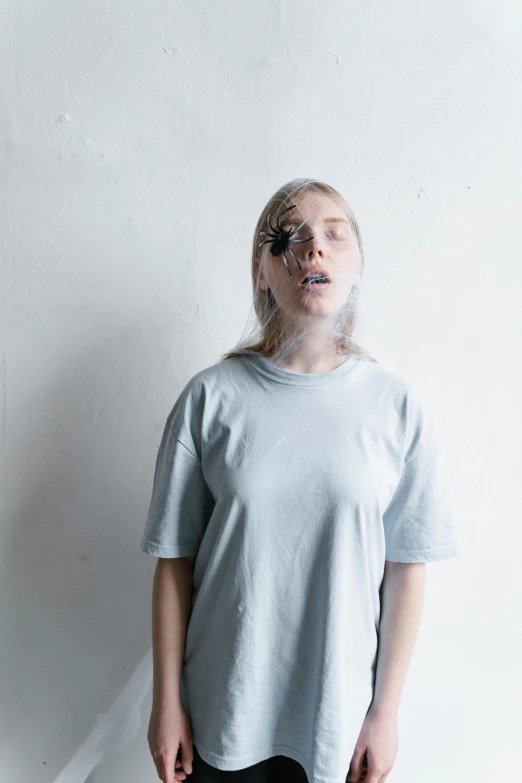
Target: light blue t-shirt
x=292 y=490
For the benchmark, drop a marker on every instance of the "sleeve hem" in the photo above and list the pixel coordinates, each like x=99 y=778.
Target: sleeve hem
x=158 y=550
x=423 y=555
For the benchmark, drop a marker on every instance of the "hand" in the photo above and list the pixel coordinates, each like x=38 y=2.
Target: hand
x=169 y=729
x=378 y=744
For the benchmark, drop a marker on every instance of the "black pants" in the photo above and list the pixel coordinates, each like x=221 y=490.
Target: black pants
x=278 y=769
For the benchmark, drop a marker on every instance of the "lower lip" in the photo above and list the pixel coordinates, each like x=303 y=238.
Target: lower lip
x=314 y=287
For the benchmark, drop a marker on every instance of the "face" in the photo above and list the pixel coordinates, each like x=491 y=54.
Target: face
x=333 y=249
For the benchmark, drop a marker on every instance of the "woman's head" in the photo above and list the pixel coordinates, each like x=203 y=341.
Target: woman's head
x=289 y=314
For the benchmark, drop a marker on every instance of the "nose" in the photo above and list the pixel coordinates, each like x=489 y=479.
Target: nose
x=313 y=247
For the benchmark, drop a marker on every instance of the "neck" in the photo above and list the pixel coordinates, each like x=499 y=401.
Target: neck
x=308 y=356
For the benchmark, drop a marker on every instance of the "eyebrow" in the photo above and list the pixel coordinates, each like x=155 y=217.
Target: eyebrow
x=293 y=221
x=336 y=220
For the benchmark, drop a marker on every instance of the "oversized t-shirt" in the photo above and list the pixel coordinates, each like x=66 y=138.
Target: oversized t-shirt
x=292 y=490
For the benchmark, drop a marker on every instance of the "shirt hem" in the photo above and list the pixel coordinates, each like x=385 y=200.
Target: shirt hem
x=234 y=763
x=158 y=550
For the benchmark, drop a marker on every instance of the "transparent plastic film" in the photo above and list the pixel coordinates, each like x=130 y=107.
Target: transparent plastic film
x=307 y=265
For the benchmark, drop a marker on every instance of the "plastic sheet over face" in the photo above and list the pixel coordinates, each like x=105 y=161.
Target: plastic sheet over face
x=307 y=265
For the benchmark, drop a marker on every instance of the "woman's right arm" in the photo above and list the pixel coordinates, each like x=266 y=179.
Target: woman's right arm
x=169 y=725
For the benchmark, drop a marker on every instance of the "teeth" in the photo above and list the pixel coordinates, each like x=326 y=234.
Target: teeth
x=315 y=279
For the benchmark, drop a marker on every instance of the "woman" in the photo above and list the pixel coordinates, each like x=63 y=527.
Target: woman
x=299 y=488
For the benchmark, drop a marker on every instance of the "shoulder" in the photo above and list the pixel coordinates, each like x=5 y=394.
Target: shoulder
x=206 y=383
x=390 y=386
x=387 y=382
x=212 y=376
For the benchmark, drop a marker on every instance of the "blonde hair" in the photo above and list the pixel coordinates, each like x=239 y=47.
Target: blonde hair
x=264 y=303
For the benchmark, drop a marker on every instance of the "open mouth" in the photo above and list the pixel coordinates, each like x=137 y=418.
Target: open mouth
x=313 y=281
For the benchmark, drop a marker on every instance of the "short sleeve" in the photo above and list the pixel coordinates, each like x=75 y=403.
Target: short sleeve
x=420 y=521
x=181 y=502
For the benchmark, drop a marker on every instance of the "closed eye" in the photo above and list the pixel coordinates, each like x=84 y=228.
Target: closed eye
x=338 y=235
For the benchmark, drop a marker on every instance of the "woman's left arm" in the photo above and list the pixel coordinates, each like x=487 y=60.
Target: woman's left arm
x=402 y=595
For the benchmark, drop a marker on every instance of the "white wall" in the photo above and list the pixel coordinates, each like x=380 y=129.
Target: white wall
x=140 y=142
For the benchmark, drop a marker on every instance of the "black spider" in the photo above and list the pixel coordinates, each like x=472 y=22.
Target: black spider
x=280 y=238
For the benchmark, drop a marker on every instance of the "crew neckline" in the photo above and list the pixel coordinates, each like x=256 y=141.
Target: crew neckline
x=283 y=375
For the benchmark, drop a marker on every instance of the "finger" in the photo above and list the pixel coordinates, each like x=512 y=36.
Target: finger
x=187 y=756
x=353 y=778
x=169 y=764
x=161 y=768
x=358 y=767
x=356 y=777
x=372 y=775
x=181 y=772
